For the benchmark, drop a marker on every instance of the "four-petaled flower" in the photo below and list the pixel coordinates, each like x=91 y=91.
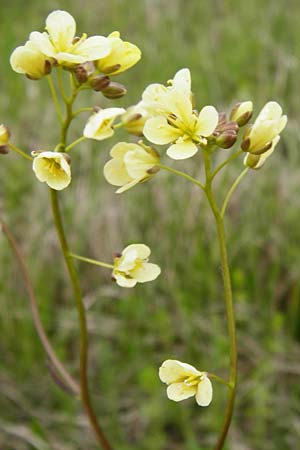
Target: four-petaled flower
x=132 y=266
x=130 y=164
x=52 y=168
x=184 y=381
x=122 y=56
x=60 y=42
x=99 y=125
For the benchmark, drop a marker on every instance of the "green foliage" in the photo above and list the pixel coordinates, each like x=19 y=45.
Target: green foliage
x=235 y=52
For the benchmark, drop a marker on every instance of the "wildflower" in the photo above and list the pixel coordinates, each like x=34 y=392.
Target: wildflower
x=27 y=59
x=132 y=266
x=153 y=98
x=122 y=56
x=135 y=118
x=257 y=161
x=184 y=381
x=242 y=113
x=130 y=164
x=259 y=137
x=100 y=124
x=4 y=135
x=52 y=168
x=59 y=41
x=182 y=127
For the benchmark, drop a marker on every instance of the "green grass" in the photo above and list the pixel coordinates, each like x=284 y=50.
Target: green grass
x=235 y=52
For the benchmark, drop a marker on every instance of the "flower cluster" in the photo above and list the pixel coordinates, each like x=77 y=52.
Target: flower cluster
x=59 y=45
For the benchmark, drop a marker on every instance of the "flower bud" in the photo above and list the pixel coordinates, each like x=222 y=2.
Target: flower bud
x=114 y=90
x=4 y=150
x=226 y=139
x=4 y=135
x=241 y=113
x=134 y=119
x=84 y=71
x=100 y=82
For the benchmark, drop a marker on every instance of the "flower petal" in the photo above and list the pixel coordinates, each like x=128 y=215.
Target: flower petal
x=115 y=172
x=158 y=131
x=146 y=272
x=182 y=150
x=127 y=186
x=142 y=250
x=180 y=391
x=271 y=111
x=123 y=281
x=138 y=162
x=93 y=48
x=182 y=81
x=121 y=148
x=207 y=121
x=204 y=392
x=61 y=27
x=173 y=371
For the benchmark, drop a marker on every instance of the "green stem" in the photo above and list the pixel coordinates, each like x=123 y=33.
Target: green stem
x=91 y=261
x=55 y=99
x=61 y=84
x=84 y=389
x=78 y=141
x=231 y=190
x=68 y=380
x=80 y=110
x=19 y=151
x=219 y=379
x=182 y=174
x=228 y=160
x=228 y=302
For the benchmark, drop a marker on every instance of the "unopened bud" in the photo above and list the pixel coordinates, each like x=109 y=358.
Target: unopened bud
x=114 y=90
x=4 y=135
x=251 y=161
x=153 y=170
x=226 y=139
x=4 y=150
x=100 y=82
x=84 y=71
x=241 y=113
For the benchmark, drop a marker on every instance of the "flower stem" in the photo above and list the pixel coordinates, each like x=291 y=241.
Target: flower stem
x=81 y=110
x=68 y=380
x=55 y=99
x=231 y=190
x=182 y=174
x=78 y=141
x=228 y=160
x=85 y=395
x=19 y=151
x=91 y=261
x=219 y=379
x=228 y=302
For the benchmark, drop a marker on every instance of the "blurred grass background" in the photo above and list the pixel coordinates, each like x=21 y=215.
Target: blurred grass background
x=235 y=51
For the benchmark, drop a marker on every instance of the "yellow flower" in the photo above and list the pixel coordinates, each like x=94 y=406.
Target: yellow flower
x=60 y=43
x=130 y=164
x=100 y=124
x=132 y=266
x=257 y=161
x=52 y=168
x=182 y=127
x=135 y=118
x=4 y=135
x=268 y=125
x=27 y=59
x=184 y=381
x=153 y=98
x=122 y=56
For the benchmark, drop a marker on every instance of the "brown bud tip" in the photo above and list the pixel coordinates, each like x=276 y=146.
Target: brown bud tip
x=117 y=255
x=262 y=150
x=96 y=108
x=245 y=145
x=153 y=170
x=114 y=90
x=67 y=157
x=100 y=82
x=111 y=69
x=4 y=150
x=227 y=139
x=241 y=113
x=81 y=73
x=48 y=67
